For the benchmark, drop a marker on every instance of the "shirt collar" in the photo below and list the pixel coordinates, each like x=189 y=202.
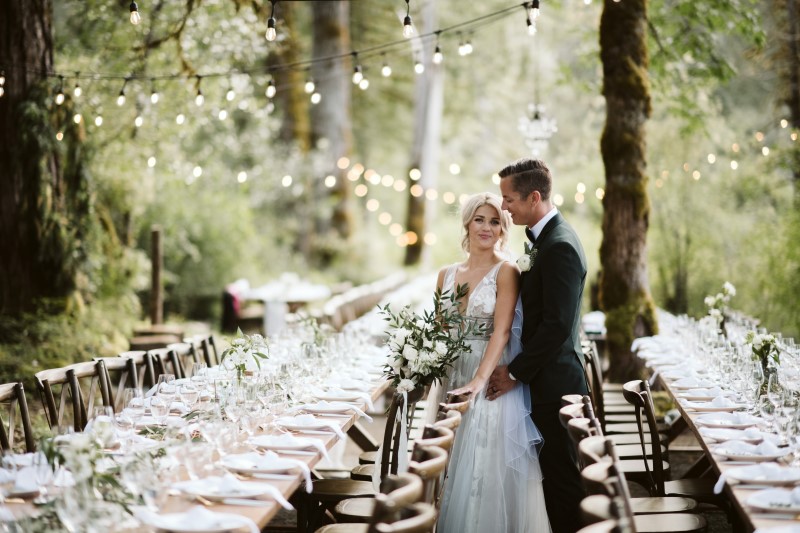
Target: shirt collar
x=539 y=226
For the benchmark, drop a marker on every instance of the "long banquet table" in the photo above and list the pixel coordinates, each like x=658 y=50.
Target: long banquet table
x=666 y=374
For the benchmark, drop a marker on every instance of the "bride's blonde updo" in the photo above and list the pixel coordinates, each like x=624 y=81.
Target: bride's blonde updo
x=472 y=204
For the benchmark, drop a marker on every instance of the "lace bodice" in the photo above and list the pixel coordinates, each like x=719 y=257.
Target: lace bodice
x=483 y=297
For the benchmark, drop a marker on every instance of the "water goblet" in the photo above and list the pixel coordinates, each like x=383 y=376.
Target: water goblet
x=159 y=409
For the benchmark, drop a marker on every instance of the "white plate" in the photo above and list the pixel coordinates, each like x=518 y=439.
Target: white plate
x=706 y=407
x=754 y=474
x=338 y=407
x=177 y=523
x=725 y=434
x=212 y=493
x=295 y=426
x=738 y=455
x=726 y=420
x=264 y=465
x=341 y=397
x=280 y=442
x=773 y=500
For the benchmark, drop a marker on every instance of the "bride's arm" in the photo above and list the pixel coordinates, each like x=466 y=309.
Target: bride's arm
x=507 y=292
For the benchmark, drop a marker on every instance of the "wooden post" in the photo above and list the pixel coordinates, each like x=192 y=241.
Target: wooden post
x=156 y=293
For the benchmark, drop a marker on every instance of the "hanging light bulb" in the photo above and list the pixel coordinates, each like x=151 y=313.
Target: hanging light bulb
x=316 y=98
x=230 y=95
x=199 y=99
x=438 y=57
x=358 y=73
x=310 y=86
x=467 y=47
x=461 y=49
x=386 y=70
x=419 y=68
x=154 y=96
x=272 y=33
x=135 y=18
x=60 y=95
x=98 y=120
x=77 y=91
x=271 y=90
x=408 y=29
x=363 y=84
x=535 y=9
x=121 y=97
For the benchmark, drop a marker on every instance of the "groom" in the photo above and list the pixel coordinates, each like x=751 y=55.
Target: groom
x=551 y=359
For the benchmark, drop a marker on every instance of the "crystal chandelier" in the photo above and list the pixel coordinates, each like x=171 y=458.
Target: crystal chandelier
x=537 y=128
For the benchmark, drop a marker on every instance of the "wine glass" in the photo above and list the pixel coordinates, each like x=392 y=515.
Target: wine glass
x=159 y=409
x=190 y=394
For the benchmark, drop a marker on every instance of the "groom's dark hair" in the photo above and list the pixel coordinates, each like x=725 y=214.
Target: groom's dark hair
x=528 y=175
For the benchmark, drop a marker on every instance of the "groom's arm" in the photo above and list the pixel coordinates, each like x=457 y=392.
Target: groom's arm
x=562 y=280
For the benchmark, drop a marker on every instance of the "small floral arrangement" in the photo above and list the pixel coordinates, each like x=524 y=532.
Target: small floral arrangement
x=245 y=353
x=718 y=304
x=424 y=346
x=525 y=261
x=764 y=347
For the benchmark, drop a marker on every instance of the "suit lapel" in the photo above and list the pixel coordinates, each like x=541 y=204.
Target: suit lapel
x=552 y=223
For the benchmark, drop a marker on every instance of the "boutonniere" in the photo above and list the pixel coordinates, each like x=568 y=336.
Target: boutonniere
x=525 y=262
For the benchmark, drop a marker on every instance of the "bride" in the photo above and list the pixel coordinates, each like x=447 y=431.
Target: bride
x=494 y=481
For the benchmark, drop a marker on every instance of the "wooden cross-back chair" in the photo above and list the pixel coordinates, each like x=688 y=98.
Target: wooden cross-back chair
x=14 y=395
x=121 y=373
x=209 y=348
x=143 y=366
x=166 y=361
x=328 y=493
x=396 y=490
x=448 y=419
x=71 y=394
x=187 y=353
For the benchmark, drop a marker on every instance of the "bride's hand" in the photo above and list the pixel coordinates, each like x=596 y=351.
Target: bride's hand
x=471 y=389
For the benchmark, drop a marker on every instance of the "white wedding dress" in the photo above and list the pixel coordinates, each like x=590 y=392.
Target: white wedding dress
x=494 y=482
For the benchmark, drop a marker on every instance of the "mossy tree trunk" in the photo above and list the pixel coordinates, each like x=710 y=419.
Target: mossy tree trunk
x=624 y=287
x=43 y=199
x=331 y=120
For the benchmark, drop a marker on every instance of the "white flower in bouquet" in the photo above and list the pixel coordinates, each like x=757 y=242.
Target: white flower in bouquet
x=728 y=289
x=245 y=353
x=422 y=347
x=764 y=347
x=718 y=303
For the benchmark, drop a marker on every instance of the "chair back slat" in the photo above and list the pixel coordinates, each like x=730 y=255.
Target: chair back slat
x=71 y=394
x=428 y=462
x=13 y=394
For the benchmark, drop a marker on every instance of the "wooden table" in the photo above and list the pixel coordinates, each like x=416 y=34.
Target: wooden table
x=737 y=494
x=262 y=515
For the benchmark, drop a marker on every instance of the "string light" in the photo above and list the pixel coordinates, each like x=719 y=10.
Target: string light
x=271 y=89
x=199 y=99
x=316 y=98
x=535 y=10
x=530 y=21
x=77 y=91
x=363 y=84
x=310 y=86
x=358 y=73
x=438 y=57
x=180 y=119
x=98 y=120
x=60 y=95
x=408 y=29
x=419 y=68
x=154 y=96
x=230 y=95
x=121 y=97
x=386 y=70
x=272 y=33
x=135 y=17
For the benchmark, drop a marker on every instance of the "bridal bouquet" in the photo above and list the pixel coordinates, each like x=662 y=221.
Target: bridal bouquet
x=245 y=353
x=422 y=347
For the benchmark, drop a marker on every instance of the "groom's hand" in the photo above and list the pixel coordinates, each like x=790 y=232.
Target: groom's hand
x=499 y=383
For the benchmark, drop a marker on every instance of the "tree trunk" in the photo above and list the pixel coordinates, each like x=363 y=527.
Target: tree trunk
x=43 y=202
x=331 y=119
x=290 y=98
x=624 y=287
x=426 y=147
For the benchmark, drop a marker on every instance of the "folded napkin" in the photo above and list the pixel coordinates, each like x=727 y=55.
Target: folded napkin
x=767 y=448
x=25 y=481
x=333 y=407
x=336 y=392
x=759 y=471
x=289 y=442
x=269 y=456
x=352 y=383
x=722 y=401
x=312 y=421
x=192 y=517
x=229 y=484
x=692 y=383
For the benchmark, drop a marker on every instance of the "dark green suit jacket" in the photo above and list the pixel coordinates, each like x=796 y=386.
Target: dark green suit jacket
x=551 y=357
